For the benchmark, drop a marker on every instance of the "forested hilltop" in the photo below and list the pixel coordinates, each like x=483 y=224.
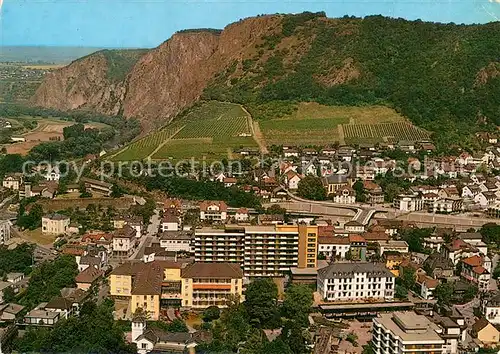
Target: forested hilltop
x=443 y=77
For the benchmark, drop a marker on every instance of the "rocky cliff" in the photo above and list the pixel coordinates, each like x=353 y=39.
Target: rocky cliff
x=162 y=82
x=435 y=74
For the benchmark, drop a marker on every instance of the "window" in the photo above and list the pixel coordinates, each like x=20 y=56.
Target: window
x=144 y=345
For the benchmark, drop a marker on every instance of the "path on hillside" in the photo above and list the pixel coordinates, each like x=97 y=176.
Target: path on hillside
x=150 y=156
x=256 y=133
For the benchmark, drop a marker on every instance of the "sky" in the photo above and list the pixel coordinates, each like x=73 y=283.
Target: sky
x=147 y=23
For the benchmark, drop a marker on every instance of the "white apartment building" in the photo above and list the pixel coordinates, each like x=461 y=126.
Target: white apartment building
x=356 y=281
x=392 y=246
x=169 y=222
x=213 y=210
x=176 y=241
x=406 y=332
x=410 y=202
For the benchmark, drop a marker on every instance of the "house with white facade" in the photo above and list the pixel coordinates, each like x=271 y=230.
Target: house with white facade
x=345 y=195
x=242 y=215
x=176 y=241
x=124 y=241
x=213 y=210
x=333 y=246
x=170 y=222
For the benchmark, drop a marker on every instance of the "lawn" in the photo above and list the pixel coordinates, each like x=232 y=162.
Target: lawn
x=37 y=237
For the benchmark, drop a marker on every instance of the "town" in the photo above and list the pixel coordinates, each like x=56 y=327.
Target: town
x=342 y=259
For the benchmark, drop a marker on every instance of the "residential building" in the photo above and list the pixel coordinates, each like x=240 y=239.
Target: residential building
x=147 y=285
x=439 y=266
x=213 y=210
x=88 y=277
x=345 y=195
x=170 y=222
x=55 y=224
x=474 y=271
x=4 y=231
x=179 y=241
x=491 y=309
x=392 y=261
x=485 y=332
x=374 y=191
x=356 y=281
x=458 y=249
x=210 y=284
x=61 y=305
x=409 y=202
x=405 y=332
x=153 y=339
x=333 y=247
x=241 y=215
x=357 y=247
x=124 y=241
x=292 y=180
x=260 y=250
x=41 y=317
x=13 y=181
x=427 y=286
x=447 y=205
x=354 y=226
x=392 y=246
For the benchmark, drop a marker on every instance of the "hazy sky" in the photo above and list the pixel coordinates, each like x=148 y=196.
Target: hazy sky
x=147 y=23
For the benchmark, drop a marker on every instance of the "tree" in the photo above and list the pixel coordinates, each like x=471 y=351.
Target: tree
x=8 y=294
x=408 y=277
x=176 y=325
x=261 y=302
x=490 y=233
x=93 y=331
x=401 y=292
x=444 y=293
x=311 y=187
x=297 y=303
x=360 y=190
x=211 y=313
x=292 y=334
x=116 y=191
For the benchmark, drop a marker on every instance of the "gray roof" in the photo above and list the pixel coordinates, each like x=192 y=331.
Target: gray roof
x=336 y=179
x=436 y=260
x=155 y=335
x=470 y=236
x=175 y=235
x=347 y=270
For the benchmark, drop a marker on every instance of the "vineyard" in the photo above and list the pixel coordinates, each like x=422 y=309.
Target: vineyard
x=384 y=132
x=211 y=129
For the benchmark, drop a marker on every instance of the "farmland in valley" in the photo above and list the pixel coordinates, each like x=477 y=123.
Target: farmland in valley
x=211 y=129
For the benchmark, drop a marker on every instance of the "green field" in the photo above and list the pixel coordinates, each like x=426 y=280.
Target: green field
x=315 y=124
x=212 y=130
x=384 y=132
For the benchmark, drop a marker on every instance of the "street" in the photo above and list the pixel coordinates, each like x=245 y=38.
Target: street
x=148 y=238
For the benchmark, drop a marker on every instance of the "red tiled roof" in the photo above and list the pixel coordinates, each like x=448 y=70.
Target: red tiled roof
x=473 y=261
x=206 y=204
x=479 y=270
x=356 y=238
x=333 y=240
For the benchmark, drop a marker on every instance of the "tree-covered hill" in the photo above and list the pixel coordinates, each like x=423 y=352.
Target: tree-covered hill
x=444 y=77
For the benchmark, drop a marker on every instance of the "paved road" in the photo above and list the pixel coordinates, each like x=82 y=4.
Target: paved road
x=146 y=240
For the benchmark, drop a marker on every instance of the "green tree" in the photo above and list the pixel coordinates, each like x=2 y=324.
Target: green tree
x=261 y=302
x=211 y=313
x=297 y=303
x=408 y=277
x=360 y=190
x=293 y=335
x=311 y=187
x=444 y=293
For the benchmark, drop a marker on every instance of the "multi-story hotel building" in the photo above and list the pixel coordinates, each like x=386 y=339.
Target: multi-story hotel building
x=406 y=332
x=210 y=284
x=356 y=281
x=259 y=250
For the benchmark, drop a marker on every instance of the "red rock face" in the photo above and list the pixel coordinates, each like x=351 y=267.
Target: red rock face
x=162 y=83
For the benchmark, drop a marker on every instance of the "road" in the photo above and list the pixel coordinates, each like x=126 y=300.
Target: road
x=149 y=237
